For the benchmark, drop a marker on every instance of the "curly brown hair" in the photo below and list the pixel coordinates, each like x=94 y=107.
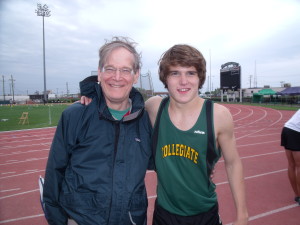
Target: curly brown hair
x=182 y=55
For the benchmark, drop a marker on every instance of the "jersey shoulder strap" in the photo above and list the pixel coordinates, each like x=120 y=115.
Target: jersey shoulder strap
x=211 y=154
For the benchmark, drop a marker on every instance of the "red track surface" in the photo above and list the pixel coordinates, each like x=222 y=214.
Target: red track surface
x=23 y=157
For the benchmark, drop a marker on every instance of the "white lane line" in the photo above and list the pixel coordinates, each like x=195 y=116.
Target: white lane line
x=11 y=161
x=15 y=189
x=250 y=218
x=21 y=218
x=258 y=143
x=253 y=156
x=270 y=134
x=246 y=178
x=20 y=152
x=24 y=130
x=7 y=173
x=267 y=126
x=21 y=193
x=21 y=174
x=246 y=116
x=271 y=212
x=27 y=160
x=28 y=140
x=258 y=175
x=252 y=122
x=23 y=146
x=154 y=196
x=258 y=155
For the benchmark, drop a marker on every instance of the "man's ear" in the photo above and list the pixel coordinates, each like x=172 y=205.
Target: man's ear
x=136 y=76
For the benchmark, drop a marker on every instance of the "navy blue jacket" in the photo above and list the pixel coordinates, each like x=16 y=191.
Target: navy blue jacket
x=96 y=166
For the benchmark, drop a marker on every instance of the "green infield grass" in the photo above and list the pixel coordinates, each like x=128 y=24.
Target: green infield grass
x=38 y=116
x=48 y=115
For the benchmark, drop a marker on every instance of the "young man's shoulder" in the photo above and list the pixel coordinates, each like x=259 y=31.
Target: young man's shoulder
x=222 y=117
x=153 y=103
x=152 y=106
x=220 y=109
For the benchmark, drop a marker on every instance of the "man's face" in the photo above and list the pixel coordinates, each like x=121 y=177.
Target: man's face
x=117 y=78
x=183 y=83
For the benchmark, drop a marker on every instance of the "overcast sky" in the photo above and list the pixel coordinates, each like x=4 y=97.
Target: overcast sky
x=261 y=34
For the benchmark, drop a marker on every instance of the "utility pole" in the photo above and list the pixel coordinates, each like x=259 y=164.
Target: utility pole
x=67 y=89
x=255 y=76
x=150 y=82
x=44 y=12
x=12 y=87
x=3 y=88
x=250 y=78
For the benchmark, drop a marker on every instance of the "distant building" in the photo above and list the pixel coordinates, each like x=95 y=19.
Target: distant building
x=248 y=92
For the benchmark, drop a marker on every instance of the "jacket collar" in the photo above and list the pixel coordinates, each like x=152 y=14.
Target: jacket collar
x=137 y=100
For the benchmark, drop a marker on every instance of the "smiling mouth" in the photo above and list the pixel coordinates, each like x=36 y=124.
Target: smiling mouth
x=116 y=86
x=183 y=89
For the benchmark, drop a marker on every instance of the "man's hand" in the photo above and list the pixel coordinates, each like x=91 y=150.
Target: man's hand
x=212 y=174
x=85 y=100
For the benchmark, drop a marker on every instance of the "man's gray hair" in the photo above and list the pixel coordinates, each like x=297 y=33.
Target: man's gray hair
x=120 y=42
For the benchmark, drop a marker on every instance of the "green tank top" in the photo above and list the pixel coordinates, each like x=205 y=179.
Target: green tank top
x=184 y=186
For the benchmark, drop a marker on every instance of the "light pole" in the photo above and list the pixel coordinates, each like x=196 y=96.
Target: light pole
x=43 y=11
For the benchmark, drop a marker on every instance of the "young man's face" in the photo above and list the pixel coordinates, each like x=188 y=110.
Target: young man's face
x=183 y=83
x=118 y=77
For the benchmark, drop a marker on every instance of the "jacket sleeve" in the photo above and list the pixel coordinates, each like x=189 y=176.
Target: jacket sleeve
x=87 y=86
x=56 y=166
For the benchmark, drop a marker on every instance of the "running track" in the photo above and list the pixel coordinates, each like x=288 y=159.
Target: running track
x=23 y=156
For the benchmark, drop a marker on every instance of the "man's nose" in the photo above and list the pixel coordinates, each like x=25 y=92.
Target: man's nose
x=117 y=75
x=183 y=79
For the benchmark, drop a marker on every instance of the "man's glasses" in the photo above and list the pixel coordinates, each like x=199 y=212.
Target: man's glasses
x=111 y=71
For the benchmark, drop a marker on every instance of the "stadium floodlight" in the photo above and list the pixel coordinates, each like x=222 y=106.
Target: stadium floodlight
x=44 y=12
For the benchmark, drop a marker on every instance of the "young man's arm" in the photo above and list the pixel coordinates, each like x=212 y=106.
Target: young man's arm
x=226 y=140
x=152 y=106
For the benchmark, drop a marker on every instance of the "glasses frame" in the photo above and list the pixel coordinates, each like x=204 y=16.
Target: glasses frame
x=112 y=71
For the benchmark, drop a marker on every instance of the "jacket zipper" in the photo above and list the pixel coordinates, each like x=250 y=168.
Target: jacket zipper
x=117 y=134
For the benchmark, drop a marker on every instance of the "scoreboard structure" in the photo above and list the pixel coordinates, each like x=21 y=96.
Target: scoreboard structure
x=230 y=76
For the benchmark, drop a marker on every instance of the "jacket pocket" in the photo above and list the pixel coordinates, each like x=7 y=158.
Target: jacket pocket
x=91 y=207
x=137 y=210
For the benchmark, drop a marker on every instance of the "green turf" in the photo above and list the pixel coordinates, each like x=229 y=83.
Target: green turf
x=39 y=116
x=48 y=115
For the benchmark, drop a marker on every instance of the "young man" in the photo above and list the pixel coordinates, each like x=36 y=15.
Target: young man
x=100 y=153
x=187 y=146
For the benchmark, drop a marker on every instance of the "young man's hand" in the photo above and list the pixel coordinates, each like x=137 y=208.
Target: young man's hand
x=85 y=100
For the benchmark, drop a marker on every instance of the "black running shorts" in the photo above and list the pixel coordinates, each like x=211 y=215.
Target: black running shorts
x=290 y=139
x=163 y=217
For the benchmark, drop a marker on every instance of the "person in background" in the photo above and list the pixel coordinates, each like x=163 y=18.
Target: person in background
x=290 y=140
x=100 y=152
x=190 y=134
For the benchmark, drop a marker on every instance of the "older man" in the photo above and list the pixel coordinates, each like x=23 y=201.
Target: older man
x=100 y=153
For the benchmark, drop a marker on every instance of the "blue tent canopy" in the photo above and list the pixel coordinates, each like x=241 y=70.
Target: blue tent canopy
x=290 y=91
